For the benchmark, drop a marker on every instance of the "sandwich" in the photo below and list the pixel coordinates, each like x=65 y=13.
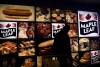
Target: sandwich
x=46 y=46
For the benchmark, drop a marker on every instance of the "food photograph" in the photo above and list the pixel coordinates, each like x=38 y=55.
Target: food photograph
x=94 y=43
x=71 y=16
x=57 y=15
x=26 y=30
x=75 y=57
x=26 y=52
x=43 y=14
x=26 y=48
x=85 y=58
x=17 y=12
x=43 y=30
x=39 y=61
x=84 y=44
x=26 y=44
x=73 y=32
x=74 y=44
x=26 y=62
x=45 y=47
x=8 y=47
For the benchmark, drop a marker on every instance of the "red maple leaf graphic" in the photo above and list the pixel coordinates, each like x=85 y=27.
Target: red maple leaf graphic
x=95 y=53
x=8 y=25
x=58 y=26
x=1 y=25
x=88 y=17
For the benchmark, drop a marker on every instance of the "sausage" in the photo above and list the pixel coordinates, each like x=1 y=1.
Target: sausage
x=17 y=12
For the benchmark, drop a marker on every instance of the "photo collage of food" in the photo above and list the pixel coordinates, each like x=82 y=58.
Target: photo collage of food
x=17 y=36
x=27 y=35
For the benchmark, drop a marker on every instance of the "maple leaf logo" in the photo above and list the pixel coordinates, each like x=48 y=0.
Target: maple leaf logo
x=95 y=53
x=88 y=17
x=58 y=26
x=8 y=25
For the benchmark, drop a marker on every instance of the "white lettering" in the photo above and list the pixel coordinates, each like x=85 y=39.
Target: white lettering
x=95 y=59
x=88 y=24
x=8 y=32
x=87 y=30
x=82 y=25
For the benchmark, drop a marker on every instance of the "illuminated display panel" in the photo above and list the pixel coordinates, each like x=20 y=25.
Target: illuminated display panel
x=42 y=14
x=95 y=56
x=56 y=27
x=88 y=24
x=8 y=30
x=83 y=33
x=57 y=15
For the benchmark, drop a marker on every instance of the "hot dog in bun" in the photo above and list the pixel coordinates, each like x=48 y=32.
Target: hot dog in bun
x=46 y=43
x=46 y=46
x=17 y=12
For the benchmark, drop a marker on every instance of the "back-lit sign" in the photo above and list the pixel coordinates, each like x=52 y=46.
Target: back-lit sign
x=95 y=56
x=8 y=30
x=88 y=24
x=56 y=27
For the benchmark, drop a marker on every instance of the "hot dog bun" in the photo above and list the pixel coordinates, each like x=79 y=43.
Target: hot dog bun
x=46 y=43
x=17 y=12
x=17 y=17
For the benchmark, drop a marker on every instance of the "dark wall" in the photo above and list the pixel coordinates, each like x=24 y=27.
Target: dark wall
x=63 y=4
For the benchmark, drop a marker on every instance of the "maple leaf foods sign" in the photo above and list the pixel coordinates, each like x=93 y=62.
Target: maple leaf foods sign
x=95 y=56
x=88 y=24
x=56 y=27
x=8 y=30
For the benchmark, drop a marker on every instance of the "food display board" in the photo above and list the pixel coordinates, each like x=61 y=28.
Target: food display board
x=27 y=35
